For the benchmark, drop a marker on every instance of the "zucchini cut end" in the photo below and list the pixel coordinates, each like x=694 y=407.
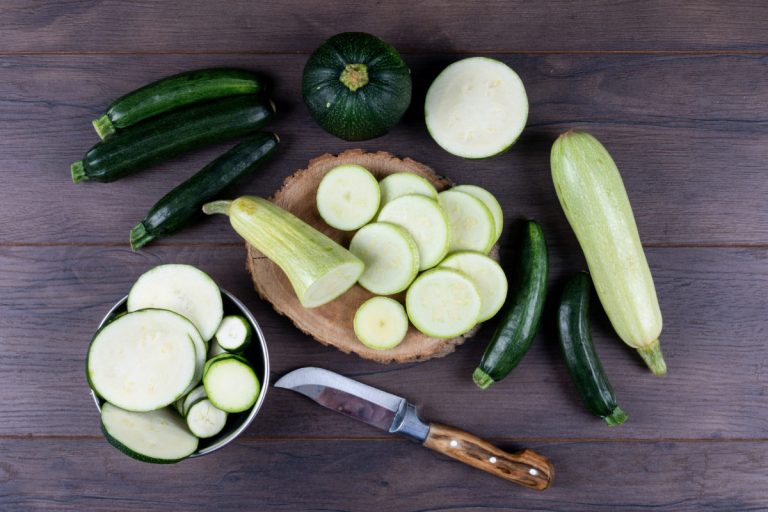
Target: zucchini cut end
x=139 y=236
x=617 y=417
x=482 y=379
x=654 y=358
x=103 y=126
x=78 y=172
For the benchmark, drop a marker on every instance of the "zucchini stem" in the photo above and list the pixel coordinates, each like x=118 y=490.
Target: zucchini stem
x=215 y=207
x=482 y=379
x=139 y=236
x=354 y=76
x=78 y=172
x=617 y=417
x=654 y=358
x=103 y=126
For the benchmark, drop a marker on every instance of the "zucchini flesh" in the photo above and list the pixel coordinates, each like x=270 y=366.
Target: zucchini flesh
x=234 y=334
x=520 y=321
x=405 y=183
x=231 y=384
x=183 y=203
x=489 y=201
x=390 y=255
x=593 y=197
x=160 y=437
x=175 y=92
x=443 y=303
x=471 y=223
x=348 y=197
x=318 y=268
x=488 y=276
x=580 y=355
x=381 y=323
x=162 y=138
x=205 y=420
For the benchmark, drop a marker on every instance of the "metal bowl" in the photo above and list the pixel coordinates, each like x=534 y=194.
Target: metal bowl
x=256 y=353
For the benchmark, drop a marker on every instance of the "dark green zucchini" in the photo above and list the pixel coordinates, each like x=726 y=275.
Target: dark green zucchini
x=579 y=351
x=520 y=321
x=174 y=92
x=161 y=138
x=183 y=203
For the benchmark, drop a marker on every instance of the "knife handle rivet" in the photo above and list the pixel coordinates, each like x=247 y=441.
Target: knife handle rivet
x=492 y=460
x=533 y=472
x=454 y=443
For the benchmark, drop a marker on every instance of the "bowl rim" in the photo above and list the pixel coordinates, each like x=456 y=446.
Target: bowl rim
x=262 y=393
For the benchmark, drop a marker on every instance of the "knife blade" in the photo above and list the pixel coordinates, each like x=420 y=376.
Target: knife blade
x=396 y=415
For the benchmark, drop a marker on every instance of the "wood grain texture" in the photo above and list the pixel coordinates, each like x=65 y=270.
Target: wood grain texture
x=332 y=323
x=293 y=26
x=713 y=302
x=687 y=122
x=385 y=476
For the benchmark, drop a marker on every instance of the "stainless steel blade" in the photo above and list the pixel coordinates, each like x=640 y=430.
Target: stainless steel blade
x=357 y=400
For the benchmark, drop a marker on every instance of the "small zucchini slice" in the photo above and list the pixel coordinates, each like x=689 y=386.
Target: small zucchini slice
x=487 y=275
x=443 y=303
x=205 y=420
x=348 y=197
x=471 y=223
x=231 y=383
x=489 y=201
x=520 y=322
x=405 y=183
x=579 y=352
x=381 y=323
x=234 y=334
x=391 y=257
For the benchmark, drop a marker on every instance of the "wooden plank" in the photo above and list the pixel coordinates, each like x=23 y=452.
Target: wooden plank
x=397 y=476
x=296 y=26
x=713 y=300
x=682 y=148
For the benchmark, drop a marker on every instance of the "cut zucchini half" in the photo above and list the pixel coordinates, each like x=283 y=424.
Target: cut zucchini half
x=426 y=222
x=205 y=420
x=381 y=323
x=489 y=201
x=405 y=183
x=391 y=257
x=348 y=197
x=486 y=274
x=143 y=360
x=231 y=384
x=234 y=334
x=476 y=108
x=471 y=223
x=183 y=289
x=160 y=437
x=443 y=303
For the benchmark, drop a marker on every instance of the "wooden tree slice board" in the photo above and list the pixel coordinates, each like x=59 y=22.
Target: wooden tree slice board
x=332 y=323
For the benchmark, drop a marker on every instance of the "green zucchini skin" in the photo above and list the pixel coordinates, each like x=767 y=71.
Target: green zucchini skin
x=158 y=139
x=520 y=320
x=579 y=352
x=184 y=202
x=175 y=92
x=356 y=86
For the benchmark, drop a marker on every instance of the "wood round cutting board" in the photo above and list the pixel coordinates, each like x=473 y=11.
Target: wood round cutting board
x=332 y=323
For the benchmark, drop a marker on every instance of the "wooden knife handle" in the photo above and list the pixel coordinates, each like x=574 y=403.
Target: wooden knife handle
x=526 y=468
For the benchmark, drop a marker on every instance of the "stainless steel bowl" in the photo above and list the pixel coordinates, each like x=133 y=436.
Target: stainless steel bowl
x=256 y=353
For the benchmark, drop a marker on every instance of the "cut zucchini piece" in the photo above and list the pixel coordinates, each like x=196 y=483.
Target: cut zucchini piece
x=160 y=437
x=231 y=384
x=470 y=221
x=425 y=221
x=234 y=334
x=182 y=289
x=201 y=353
x=489 y=201
x=142 y=361
x=205 y=420
x=391 y=257
x=476 y=108
x=215 y=349
x=486 y=274
x=403 y=184
x=381 y=323
x=192 y=398
x=443 y=303
x=348 y=197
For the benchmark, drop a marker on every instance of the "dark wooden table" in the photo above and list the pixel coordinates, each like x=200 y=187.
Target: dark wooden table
x=679 y=95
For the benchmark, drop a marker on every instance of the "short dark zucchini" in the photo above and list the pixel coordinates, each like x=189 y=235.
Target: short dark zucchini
x=520 y=320
x=184 y=202
x=579 y=352
x=161 y=138
x=174 y=92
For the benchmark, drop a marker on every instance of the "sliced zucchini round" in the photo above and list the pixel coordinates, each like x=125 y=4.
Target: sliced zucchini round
x=426 y=222
x=443 y=303
x=381 y=323
x=205 y=420
x=192 y=398
x=489 y=201
x=234 y=334
x=231 y=383
x=143 y=360
x=348 y=197
x=471 y=223
x=405 y=183
x=391 y=257
x=183 y=289
x=486 y=274
x=476 y=108
x=160 y=437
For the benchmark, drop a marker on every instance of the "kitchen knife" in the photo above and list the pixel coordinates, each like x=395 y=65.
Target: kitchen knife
x=395 y=415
